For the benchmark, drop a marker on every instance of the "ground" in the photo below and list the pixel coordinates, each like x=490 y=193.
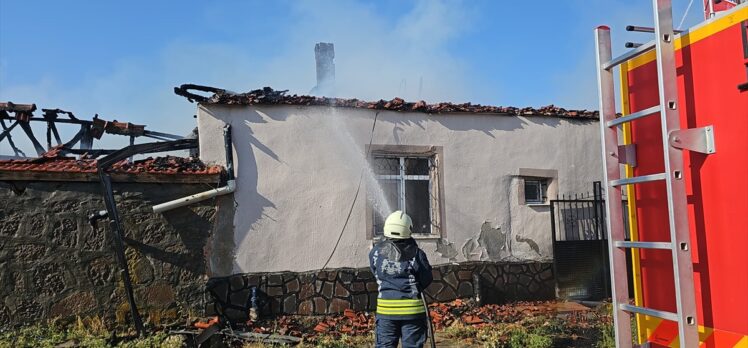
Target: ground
x=458 y=324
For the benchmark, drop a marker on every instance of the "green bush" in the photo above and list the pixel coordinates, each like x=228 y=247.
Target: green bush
x=460 y=331
x=607 y=337
x=514 y=336
x=344 y=341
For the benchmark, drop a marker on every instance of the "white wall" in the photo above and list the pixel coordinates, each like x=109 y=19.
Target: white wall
x=298 y=168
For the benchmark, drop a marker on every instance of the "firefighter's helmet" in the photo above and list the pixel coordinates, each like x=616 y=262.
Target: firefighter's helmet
x=398 y=225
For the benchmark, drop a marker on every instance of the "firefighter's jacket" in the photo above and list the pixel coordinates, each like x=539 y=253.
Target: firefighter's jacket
x=402 y=271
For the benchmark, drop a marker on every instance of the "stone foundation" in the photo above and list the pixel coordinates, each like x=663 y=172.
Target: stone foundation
x=333 y=291
x=55 y=264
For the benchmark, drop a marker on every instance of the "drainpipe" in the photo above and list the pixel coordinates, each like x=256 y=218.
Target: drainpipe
x=229 y=188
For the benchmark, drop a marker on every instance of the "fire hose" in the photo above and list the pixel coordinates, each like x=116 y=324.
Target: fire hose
x=430 y=327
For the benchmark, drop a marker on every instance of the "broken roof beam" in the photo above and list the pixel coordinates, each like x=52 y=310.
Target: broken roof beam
x=182 y=144
x=6 y=129
x=183 y=91
x=12 y=107
x=54 y=113
x=6 y=133
x=153 y=134
x=110 y=127
x=30 y=133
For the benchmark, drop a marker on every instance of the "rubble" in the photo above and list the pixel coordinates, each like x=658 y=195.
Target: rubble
x=348 y=323
x=269 y=96
x=465 y=312
x=443 y=315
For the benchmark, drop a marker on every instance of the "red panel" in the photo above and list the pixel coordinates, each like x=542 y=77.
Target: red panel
x=708 y=74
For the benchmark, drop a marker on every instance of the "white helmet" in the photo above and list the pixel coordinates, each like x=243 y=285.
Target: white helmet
x=398 y=226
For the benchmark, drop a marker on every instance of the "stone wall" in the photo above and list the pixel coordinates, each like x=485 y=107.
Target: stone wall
x=332 y=291
x=53 y=263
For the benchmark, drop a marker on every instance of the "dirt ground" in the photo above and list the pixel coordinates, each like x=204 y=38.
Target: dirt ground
x=459 y=323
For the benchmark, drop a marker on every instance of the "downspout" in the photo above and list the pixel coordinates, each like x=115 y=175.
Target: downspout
x=219 y=191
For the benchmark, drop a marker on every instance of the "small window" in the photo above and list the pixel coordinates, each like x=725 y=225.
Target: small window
x=536 y=191
x=406 y=183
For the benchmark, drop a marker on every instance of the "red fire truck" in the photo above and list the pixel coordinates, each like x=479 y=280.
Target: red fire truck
x=677 y=147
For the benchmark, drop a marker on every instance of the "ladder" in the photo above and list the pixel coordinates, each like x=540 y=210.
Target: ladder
x=672 y=139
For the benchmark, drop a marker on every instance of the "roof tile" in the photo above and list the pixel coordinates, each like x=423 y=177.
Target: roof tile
x=269 y=96
x=53 y=161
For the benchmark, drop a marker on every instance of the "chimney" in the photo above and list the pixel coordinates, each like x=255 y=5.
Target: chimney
x=324 y=53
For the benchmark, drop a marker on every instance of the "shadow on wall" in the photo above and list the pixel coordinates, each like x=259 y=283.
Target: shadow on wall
x=462 y=122
x=253 y=206
x=250 y=204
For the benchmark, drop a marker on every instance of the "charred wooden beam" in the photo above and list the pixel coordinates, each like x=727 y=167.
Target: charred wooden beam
x=12 y=107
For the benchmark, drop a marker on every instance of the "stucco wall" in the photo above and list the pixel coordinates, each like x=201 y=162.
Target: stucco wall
x=298 y=169
x=54 y=264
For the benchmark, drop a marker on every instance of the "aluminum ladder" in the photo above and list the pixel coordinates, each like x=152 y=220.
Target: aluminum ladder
x=672 y=136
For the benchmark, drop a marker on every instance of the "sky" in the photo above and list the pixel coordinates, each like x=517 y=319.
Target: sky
x=121 y=59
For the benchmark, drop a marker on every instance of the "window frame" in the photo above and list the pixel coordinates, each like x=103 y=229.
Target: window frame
x=436 y=191
x=549 y=176
x=541 y=190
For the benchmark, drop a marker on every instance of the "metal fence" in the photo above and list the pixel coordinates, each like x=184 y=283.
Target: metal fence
x=580 y=246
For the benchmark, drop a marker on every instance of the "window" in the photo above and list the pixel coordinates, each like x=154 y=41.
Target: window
x=536 y=191
x=536 y=185
x=408 y=182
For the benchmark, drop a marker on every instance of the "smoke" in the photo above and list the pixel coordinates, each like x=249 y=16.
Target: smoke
x=414 y=50
x=376 y=57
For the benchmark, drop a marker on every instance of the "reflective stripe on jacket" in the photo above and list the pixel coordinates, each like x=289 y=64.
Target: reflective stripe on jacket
x=401 y=270
x=400 y=307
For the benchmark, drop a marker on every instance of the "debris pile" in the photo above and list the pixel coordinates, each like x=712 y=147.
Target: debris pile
x=465 y=312
x=348 y=323
x=269 y=96
x=166 y=165
x=443 y=315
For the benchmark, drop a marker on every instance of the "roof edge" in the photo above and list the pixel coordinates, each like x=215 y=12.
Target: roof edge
x=269 y=96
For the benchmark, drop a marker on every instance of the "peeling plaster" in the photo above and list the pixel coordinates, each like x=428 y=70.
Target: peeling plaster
x=493 y=241
x=533 y=245
x=446 y=249
x=490 y=244
x=471 y=250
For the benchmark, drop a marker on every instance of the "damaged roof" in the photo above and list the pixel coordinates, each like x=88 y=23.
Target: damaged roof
x=269 y=96
x=55 y=166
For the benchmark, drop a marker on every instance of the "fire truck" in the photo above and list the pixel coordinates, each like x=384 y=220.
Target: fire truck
x=677 y=147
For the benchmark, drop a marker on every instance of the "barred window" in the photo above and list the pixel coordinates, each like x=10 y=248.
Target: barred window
x=536 y=185
x=408 y=183
x=536 y=190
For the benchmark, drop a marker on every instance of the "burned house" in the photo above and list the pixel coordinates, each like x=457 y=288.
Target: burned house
x=315 y=176
x=295 y=207
x=59 y=251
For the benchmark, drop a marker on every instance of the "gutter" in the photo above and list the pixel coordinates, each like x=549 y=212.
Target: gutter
x=219 y=191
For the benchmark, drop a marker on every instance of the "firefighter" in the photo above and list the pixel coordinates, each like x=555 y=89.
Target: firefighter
x=402 y=272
